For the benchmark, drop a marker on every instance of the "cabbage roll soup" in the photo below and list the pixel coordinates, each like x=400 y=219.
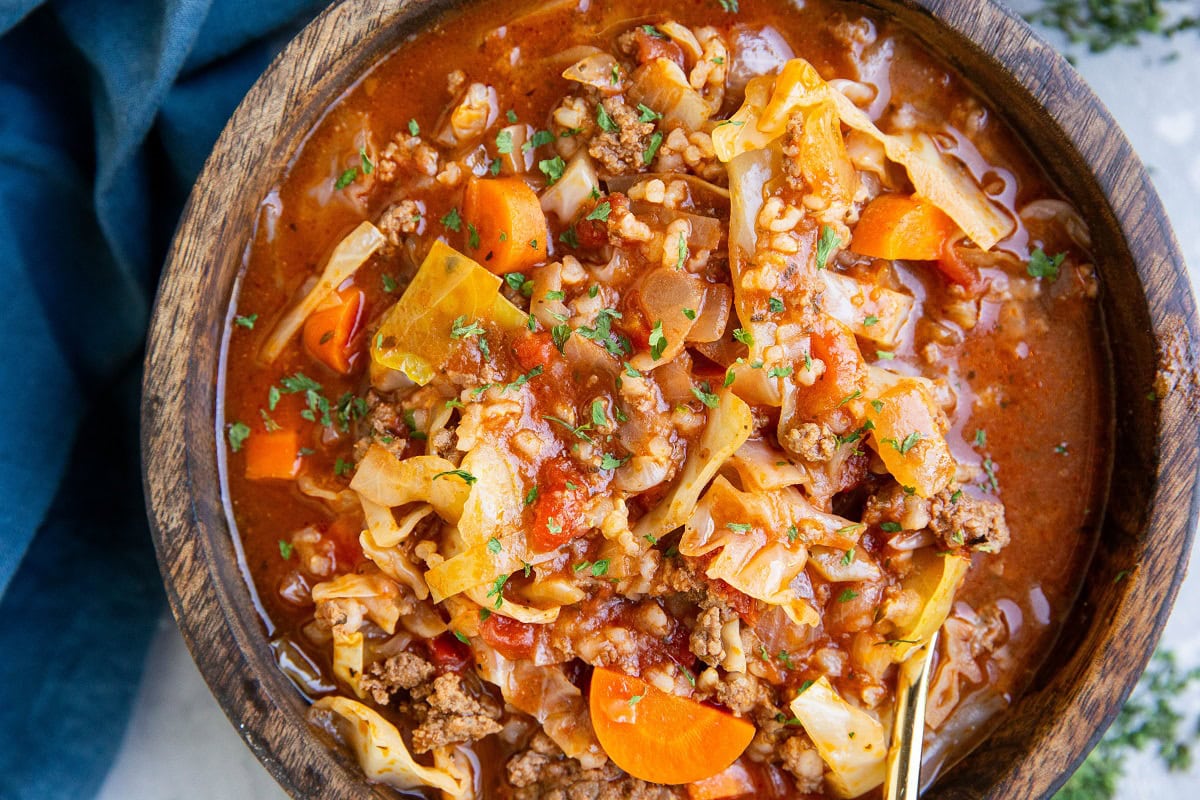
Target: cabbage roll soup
x=615 y=401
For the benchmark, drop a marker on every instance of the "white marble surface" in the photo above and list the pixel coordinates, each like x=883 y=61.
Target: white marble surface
x=179 y=745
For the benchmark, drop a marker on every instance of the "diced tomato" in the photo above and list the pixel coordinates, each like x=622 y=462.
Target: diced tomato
x=742 y=604
x=534 y=350
x=448 y=654
x=956 y=269
x=512 y=638
x=652 y=46
x=556 y=514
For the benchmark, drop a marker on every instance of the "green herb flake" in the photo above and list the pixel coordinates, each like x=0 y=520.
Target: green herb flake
x=775 y=305
x=848 y=557
x=497 y=590
x=238 y=433
x=744 y=336
x=494 y=546
x=825 y=245
x=553 y=169
x=414 y=128
x=601 y=211
x=779 y=372
x=600 y=567
x=504 y=142
x=651 y=150
x=606 y=123
x=346 y=178
x=611 y=462
x=730 y=6
x=453 y=220
x=510 y=115
x=1044 y=266
x=870 y=320
x=704 y=394
x=538 y=139
x=367 y=165
x=246 y=322
x=285 y=549
x=891 y=527
x=657 y=341
x=739 y=527
x=467 y=477
x=792 y=533
x=648 y=114
x=847 y=595
x=343 y=468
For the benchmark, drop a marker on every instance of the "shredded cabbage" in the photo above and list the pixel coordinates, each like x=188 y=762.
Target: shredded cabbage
x=384 y=757
x=849 y=739
x=387 y=481
x=414 y=336
x=935 y=578
x=350 y=254
x=908 y=434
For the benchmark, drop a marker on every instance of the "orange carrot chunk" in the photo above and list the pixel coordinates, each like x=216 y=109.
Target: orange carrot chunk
x=272 y=455
x=901 y=226
x=329 y=329
x=505 y=224
x=735 y=781
x=660 y=737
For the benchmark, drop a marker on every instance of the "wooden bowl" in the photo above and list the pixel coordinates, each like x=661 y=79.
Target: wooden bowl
x=1148 y=309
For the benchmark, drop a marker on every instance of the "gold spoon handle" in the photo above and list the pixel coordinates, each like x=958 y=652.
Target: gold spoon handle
x=904 y=757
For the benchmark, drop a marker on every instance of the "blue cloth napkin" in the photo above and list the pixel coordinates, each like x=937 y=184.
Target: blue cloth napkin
x=108 y=109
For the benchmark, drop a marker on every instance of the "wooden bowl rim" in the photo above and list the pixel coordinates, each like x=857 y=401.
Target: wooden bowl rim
x=181 y=456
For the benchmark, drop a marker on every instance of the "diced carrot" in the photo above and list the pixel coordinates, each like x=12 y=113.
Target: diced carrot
x=509 y=222
x=274 y=454
x=844 y=375
x=902 y=226
x=660 y=737
x=735 y=781
x=329 y=329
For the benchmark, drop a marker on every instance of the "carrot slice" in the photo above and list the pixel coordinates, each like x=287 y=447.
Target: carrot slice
x=508 y=220
x=660 y=737
x=329 y=329
x=273 y=455
x=902 y=226
x=735 y=781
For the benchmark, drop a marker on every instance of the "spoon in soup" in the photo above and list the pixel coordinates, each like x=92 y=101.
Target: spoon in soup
x=903 y=781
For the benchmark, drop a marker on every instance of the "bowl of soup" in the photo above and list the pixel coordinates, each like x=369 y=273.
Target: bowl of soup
x=573 y=399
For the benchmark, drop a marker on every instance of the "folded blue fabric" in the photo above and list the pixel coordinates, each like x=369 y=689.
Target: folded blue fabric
x=107 y=112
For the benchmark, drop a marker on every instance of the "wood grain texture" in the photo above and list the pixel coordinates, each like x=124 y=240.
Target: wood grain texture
x=1150 y=319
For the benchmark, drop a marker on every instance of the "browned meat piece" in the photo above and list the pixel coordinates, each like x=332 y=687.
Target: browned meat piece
x=401 y=672
x=406 y=154
x=620 y=151
x=740 y=693
x=402 y=218
x=384 y=425
x=793 y=138
x=810 y=441
x=802 y=760
x=543 y=773
x=454 y=716
x=706 y=638
x=965 y=521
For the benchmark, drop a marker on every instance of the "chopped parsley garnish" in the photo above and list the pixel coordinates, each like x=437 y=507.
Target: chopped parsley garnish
x=1044 y=266
x=367 y=166
x=467 y=477
x=635 y=699
x=1061 y=448
x=651 y=150
x=553 y=525
x=681 y=253
x=599 y=418
x=825 y=245
x=884 y=355
x=462 y=637
x=689 y=313
x=980 y=437
x=494 y=546
x=555 y=294
x=657 y=341
x=870 y=320
x=519 y=283
x=653 y=31
x=848 y=557
x=497 y=590
x=730 y=6
x=775 y=305
x=342 y=468
x=389 y=283
x=410 y=421
x=246 y=322
x=553 y=169
x=531 y=495
x=612 y=462
x=538 y=139
x=779 y=372
x=857 y=393
x=452 y=220
x=601 y=211
x=891 y=527
x=578 y=431
x=346 y=178
x=239 y=432
x=473 y=238
x=285 y=549
x=648 y=114
x=510 y=115
x=991 y=484
x=738 y=527
x=792 y=533
x=523 y=379
x=504 y=142
x=414 y=128
x=907 y=443
x=570 y=238
x=606 y=123
x=744 y=336
x=847 y=595
x=705 y=395
x=600 y=567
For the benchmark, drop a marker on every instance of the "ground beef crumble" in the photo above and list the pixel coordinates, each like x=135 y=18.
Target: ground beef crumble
x=620 y=151
x=810 y=441
x=451 y=715
x=401 y=672
x=542 y=772
x=967 y=521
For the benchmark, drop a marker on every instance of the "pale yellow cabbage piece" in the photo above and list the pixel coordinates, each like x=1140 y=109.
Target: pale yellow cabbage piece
x=415 y=334
x=855 y=304
x=383 y=756
x=747 y=531
x=661 y=85
x=729 y=425
x=385 y=480
x=849 y=739
x=936 y=579
x=379 y=543
x=548 y=696
x=770 y=101
x=908 y=434
x=575 y=188
x=350 y=254
x=372 y=596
